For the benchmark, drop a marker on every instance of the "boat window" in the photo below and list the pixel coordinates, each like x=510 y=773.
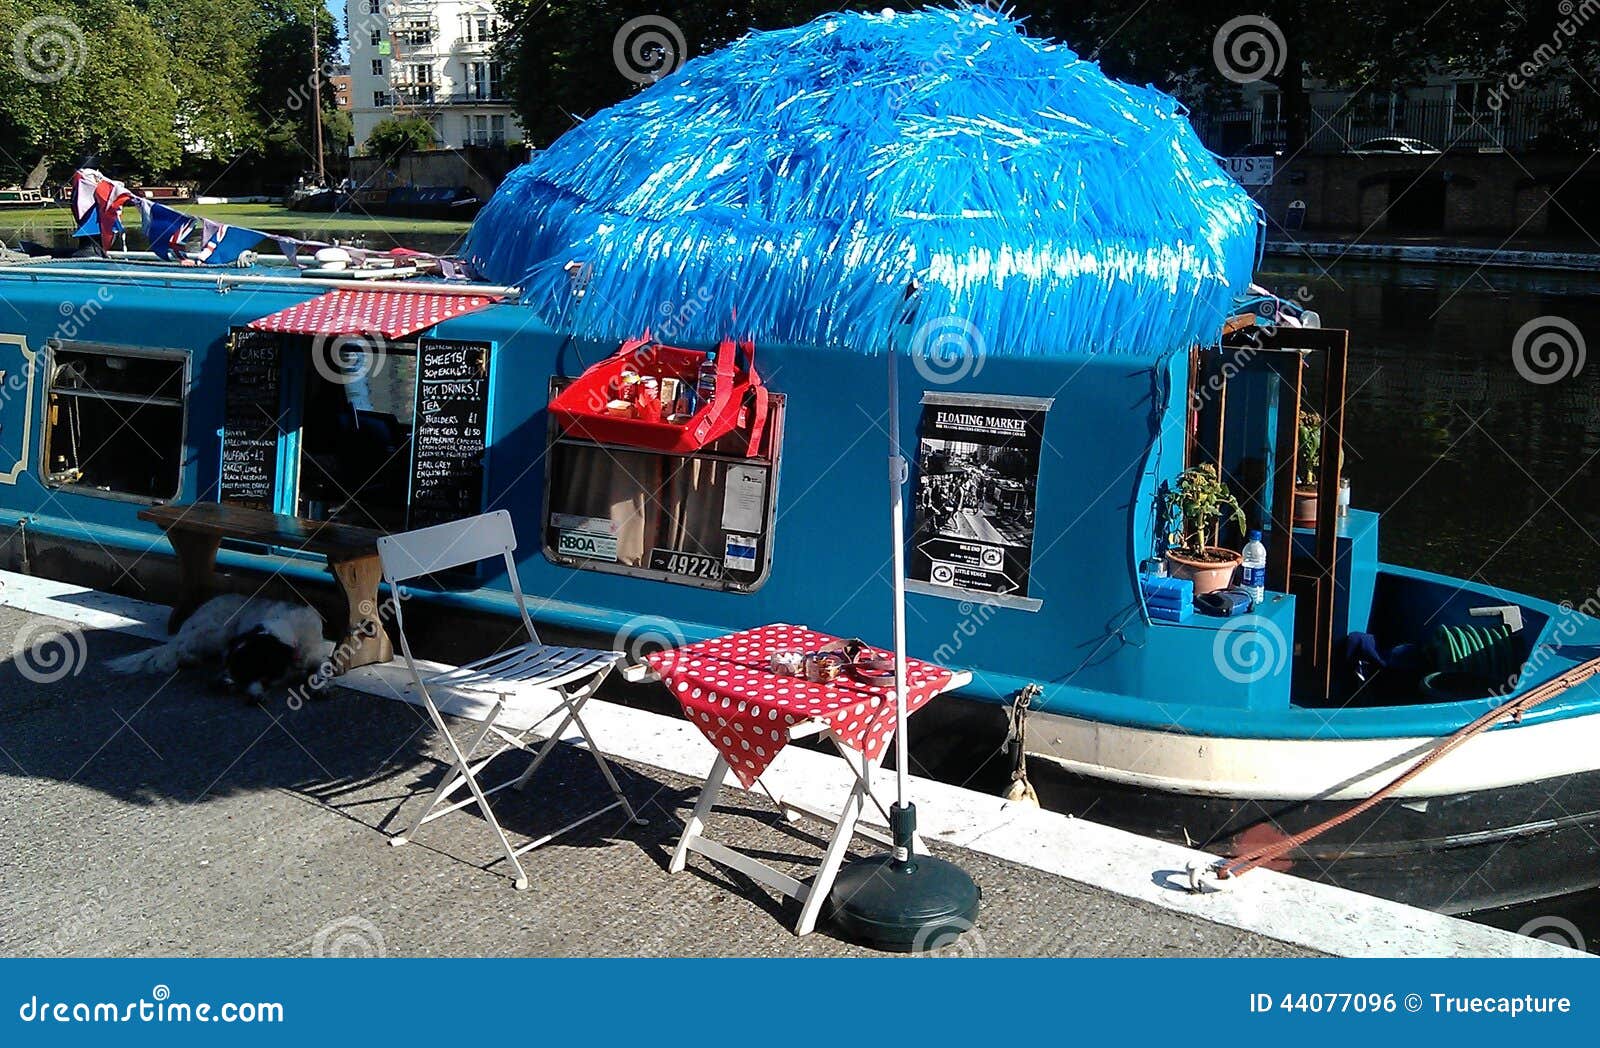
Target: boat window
x=114 y=420
x=355 y=435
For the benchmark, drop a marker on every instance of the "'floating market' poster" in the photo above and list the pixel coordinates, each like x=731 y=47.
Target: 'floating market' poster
x=976 y=484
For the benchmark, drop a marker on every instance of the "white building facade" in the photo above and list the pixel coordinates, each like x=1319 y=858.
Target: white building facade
x=430 y=58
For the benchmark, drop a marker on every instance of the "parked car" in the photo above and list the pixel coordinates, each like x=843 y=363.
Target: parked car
x=1395 y=146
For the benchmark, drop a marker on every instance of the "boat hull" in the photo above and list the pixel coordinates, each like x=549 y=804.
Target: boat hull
x=1455 y=854
x=1511 y=816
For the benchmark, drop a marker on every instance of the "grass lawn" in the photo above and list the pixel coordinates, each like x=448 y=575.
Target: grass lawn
x=377 y=230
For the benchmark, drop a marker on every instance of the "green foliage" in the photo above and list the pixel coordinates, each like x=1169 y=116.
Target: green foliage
x=1194 y=505
x=559 y=56
x=399 y=135
x=282 y=82
x=211 y=65
x=560 y=66
x=93 y=77
x=147 y=85
x=1310 y=451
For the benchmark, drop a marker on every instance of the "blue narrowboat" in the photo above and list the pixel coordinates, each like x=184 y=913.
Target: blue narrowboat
x=1043 y=483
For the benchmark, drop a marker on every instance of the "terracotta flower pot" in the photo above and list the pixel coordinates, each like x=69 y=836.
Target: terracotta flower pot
x=1207 y=575
x=1305 y=507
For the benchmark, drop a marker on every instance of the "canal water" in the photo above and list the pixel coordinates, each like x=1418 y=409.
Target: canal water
x=1478 y=470
x=374 y=233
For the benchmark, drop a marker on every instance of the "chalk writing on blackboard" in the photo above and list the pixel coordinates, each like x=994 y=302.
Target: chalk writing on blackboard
x=250 y=423
x=451 y=433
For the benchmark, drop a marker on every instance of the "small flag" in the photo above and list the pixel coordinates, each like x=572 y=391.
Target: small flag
x=90 y=226
x=165 y=228
x=97 y=203
x=224 y=244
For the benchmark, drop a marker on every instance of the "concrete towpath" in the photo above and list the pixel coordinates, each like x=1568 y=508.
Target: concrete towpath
x=152 y=816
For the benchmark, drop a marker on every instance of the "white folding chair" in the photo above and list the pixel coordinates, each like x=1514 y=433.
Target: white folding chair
x=572 y=674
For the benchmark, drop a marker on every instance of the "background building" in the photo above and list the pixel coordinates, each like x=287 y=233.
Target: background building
x=1446 y=113
x=1458 y=156
x=432 y=58
x=339 y=80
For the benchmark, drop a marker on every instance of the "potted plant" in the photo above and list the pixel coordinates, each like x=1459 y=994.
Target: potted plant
x=1195 y=503
x=1309 y=461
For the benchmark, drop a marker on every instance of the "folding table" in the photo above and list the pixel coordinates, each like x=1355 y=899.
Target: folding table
x=749 y=713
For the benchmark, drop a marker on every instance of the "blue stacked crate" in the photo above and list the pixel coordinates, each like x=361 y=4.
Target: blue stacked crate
x=1169 y=599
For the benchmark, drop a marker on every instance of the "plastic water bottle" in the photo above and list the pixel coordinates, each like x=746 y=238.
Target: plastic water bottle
x=706 y=384
x=1254 y=573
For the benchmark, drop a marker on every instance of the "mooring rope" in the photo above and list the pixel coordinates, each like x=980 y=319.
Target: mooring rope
x=1228 y=869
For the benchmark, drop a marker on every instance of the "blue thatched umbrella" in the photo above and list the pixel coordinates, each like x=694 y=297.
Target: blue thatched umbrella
x=805 y=178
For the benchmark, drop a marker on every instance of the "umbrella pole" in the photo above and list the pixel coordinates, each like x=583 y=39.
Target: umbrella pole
x=901 y=901
x=897 y=527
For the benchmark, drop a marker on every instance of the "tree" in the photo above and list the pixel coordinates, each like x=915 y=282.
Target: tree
x=147 y=85
x=93 y=78
x=561 y=57
x=399 y=135
x=283 y=83
x=560 y=64
x=212 y=47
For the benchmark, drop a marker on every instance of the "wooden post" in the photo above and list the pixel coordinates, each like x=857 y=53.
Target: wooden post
x=1327 y=541
x=316 y=85
x=1286 y=464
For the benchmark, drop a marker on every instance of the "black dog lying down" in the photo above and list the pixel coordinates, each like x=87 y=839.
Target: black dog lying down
x=261 y=643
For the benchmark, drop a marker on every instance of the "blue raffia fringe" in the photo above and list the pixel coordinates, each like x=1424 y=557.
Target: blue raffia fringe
x=789 y=187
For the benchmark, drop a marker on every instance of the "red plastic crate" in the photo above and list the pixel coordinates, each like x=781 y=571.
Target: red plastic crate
x=580 y=409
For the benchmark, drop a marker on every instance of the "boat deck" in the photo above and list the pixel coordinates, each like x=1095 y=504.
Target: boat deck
x=170 y=820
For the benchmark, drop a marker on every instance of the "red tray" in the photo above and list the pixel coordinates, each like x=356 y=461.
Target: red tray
x=580 y=409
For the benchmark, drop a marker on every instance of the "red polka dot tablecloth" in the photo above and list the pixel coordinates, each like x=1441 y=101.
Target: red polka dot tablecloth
x=727 y=690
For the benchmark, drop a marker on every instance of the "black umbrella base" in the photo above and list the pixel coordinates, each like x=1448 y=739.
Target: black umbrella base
x=915 y=904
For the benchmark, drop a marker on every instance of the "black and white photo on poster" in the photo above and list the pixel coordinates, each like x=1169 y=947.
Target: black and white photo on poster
x=976 y=486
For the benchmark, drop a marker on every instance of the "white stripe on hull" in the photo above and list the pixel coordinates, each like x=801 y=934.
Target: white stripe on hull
x=1311 y=769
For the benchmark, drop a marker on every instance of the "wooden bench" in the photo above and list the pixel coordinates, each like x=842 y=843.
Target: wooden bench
x=197 y=529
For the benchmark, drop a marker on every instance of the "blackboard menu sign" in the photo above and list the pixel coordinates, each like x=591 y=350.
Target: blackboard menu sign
x=250 y=419
x=452 y=425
